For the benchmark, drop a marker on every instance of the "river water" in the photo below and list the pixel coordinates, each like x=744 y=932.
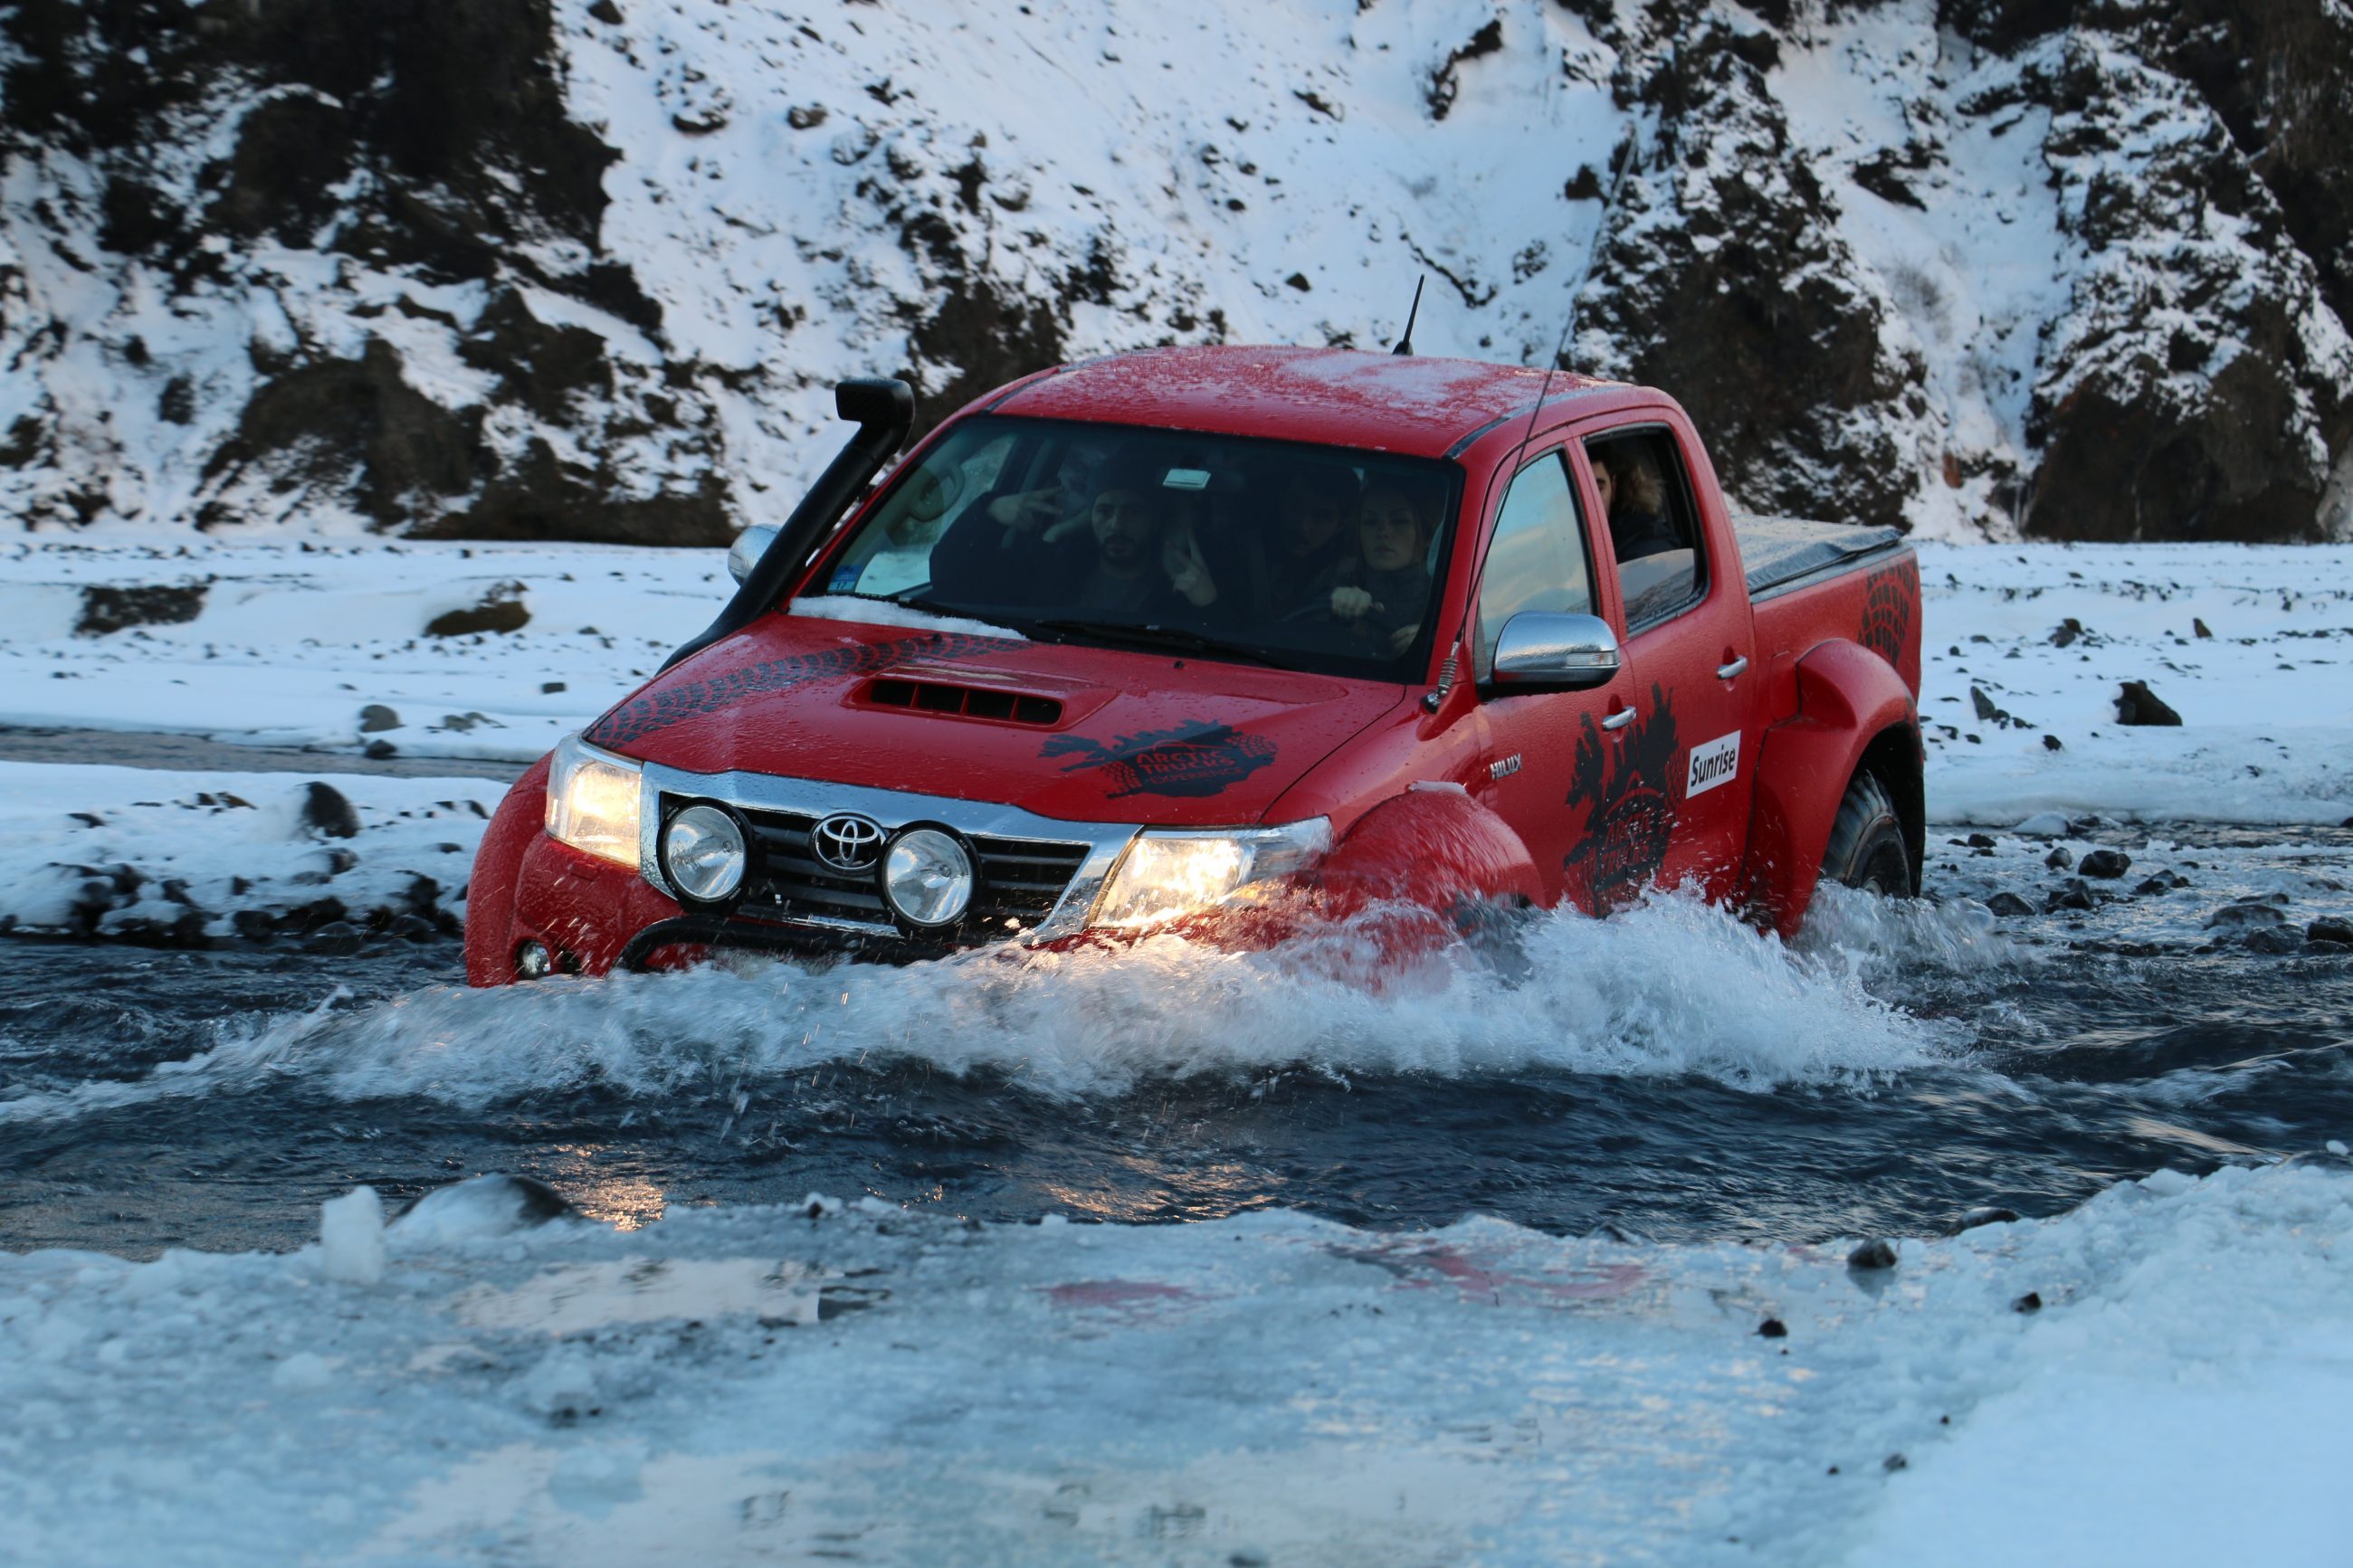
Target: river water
x=1665 y=1074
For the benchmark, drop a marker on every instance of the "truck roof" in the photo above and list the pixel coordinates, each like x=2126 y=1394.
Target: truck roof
x=1407 y=404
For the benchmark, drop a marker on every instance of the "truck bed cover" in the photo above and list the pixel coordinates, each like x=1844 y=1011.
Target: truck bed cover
x=1779 y=553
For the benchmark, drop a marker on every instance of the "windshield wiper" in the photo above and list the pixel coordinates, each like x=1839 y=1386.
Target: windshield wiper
x=912 y=600
x=1175 y=638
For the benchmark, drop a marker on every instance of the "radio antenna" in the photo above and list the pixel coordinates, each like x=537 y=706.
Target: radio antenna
x=1568 y=329
x=1405 y=344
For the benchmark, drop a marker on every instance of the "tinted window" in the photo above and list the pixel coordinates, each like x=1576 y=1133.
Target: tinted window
x=1653 y=529
x=1536 y=558
x=1320 y=558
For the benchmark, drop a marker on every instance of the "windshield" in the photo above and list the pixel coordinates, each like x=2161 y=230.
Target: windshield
x=1316 y=558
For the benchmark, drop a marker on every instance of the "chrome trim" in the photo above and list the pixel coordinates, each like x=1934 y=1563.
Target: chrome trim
x=1620 y=720
x=892 y=810
x=1726 y=671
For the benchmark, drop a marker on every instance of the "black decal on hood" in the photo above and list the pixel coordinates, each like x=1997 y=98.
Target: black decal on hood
x=672 y=704
x=1195 y=759
x=1888 y=597
x=1632 y=814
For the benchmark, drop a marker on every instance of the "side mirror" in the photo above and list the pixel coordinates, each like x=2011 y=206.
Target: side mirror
x=1540 y=651
x=749 y=546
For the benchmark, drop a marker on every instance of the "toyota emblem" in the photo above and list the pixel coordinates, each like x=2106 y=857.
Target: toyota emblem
x=848 y=844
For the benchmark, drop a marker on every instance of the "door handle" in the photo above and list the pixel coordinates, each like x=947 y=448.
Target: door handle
x=1726 y=671
x=1620 y=720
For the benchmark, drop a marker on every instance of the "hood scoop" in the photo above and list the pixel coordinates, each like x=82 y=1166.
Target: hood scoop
x=960 y=700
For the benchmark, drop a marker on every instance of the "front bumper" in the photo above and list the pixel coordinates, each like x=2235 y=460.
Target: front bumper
x=1039 y=879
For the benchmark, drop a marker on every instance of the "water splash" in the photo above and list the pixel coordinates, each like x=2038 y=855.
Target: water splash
x=1671 y=987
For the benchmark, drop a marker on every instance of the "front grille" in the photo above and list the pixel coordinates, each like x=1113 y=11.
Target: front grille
x=1016 y=879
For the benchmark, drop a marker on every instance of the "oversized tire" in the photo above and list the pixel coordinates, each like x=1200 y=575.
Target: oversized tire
x=1867 y=847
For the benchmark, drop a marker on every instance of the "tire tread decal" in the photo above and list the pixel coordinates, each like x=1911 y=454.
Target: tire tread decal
x=666 y=705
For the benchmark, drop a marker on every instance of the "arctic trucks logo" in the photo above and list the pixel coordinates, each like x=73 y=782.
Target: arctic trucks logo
x=1889 y=594
x=664 y=705
x=1195 y=759
x=1627 y=786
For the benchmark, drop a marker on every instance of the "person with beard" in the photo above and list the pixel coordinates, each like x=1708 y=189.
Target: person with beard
x=1116 y=560
x=1381 y=592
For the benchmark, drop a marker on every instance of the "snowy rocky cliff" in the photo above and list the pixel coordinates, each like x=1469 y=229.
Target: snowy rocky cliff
x=520 y=269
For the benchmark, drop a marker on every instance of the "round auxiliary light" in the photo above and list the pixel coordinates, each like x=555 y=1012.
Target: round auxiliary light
x=533 y=961
x=702 y=853
x=927 y=877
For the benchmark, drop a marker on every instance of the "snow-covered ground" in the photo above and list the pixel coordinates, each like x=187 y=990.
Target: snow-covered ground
x=2164 y=1376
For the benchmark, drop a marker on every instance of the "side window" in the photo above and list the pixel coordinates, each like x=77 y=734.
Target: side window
x=1536 y=558
x=1653 y=531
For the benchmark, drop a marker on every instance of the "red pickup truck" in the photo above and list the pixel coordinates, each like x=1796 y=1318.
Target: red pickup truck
x=1221 y=638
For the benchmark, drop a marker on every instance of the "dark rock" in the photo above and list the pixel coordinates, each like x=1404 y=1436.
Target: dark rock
x=805 y=116
x=2030 y=1303
x=1872 y=1254
x=1979 y=841
x=2149 y=885
x=2199 y=626
x=1987 y=1215
x=1441 y=92
x=2009 y=906
x=327 y=810
x=340 y=861
x=1894 y=1462
x=2329 y=929
x=1987 y=710
x=551 y=686
x=255 y=925
x=88 y=818
x=412 y=928
x=2075 y=894
x=105 y=609
x=2069 y=631
x=2278 y=942
x=2244 y=915
x=2060 y=857
x=377 y=717
x=377 y=750
x=336 y=938
x=501 y=609
x=2105 y=864
x=310 y=917
x=1773 y=1329
x=2326 y=949
x=2139 y=705
x=2051 y=744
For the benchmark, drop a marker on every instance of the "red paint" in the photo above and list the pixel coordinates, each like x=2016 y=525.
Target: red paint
x=1546 y=803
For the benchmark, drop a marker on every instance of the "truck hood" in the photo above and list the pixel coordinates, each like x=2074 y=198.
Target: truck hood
x=1081 y=734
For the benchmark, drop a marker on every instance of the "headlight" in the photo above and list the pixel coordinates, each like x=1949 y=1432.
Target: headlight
x=1168 y=874
x=592 y=802
x=927 y=877
x=702 y=853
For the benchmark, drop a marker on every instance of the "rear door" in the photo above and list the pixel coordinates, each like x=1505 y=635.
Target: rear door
x=1672 y=806
x=1538 y=559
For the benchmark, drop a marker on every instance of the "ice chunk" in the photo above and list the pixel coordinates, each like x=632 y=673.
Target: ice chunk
x=351 y=1230
x=484 y=1206
x=2043 y=825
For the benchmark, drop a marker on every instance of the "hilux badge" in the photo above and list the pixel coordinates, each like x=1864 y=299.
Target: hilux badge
x=846 y=843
